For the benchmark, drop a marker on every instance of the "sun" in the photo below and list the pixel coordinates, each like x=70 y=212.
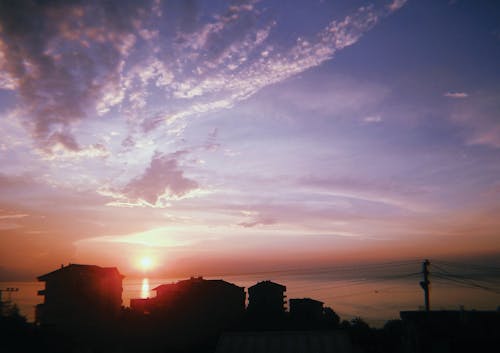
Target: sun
x=146 y=263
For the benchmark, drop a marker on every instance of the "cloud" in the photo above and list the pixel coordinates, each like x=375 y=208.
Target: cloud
x=386 y=192
x=163 y=180
x=13 y=181
x=9 y=221
x=348 y=99
x=371 y=119
x=240 y=78
x=158 y=237
x=84 y=59
x=61 y=151
x=259 y=220
x=396 y=4
x=256 y=218
x=7 y=82
x=456 y=95
x=13 y=216
x=61 y=62
x=255 y=62
x=479 y=118
x=211 y=143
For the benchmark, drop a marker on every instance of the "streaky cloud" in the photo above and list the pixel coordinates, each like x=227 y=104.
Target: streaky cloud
x=83 y=60
x=456 y=95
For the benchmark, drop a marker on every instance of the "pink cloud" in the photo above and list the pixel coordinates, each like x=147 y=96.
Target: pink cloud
x=62 y=61
x=12 y=181
x=162 y=179
x=13 y=216
x=75 y=62
x=456 y=95
x=211 y=144
x=258 y=220
x=397 y=4
x=479 y=118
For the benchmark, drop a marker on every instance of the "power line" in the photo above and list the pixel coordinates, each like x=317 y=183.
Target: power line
x=314 y=288
x=445 y=281
x=376 y=291
x=466 y=283
x=469 y=266
x=321 y=270
x=355 y=282
x=464 y=278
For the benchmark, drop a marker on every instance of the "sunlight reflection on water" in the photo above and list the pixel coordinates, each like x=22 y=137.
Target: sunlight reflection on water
x=145 y=289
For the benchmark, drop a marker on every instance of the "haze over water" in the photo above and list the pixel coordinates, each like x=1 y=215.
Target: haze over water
x=371 y=294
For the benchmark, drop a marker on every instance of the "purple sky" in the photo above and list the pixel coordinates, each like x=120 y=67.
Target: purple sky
x=248 y=134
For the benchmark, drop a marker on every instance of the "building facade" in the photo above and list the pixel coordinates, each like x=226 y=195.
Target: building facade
x=80 y=294
x=196 y=298
x=267 y=298
x=306 y=309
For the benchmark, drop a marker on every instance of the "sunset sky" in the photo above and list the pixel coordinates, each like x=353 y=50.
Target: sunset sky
x=214 y=137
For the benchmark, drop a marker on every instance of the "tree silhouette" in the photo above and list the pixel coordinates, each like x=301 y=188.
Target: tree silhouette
x=331 y=318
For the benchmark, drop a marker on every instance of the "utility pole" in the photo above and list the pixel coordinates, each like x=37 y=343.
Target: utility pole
x=425 y=283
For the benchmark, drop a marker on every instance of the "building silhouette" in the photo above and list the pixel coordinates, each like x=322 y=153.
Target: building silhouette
x=80 y=294
x=306 y=309
x=266 y=298
x=195 y=302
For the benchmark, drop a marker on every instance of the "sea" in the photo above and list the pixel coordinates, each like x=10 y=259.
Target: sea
x=374 y=300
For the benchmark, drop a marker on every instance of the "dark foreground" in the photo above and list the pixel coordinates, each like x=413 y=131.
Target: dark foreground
x=438 y=331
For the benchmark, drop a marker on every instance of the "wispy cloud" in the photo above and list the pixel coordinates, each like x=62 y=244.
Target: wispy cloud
x=13 y=216
x=83 y=60
x=63 y=146
x=479 y=118
x=14 y=181
x=159 y=237
x=257 y=219
x=396 y=4
x=456 y=95
x=211 y=143
x=371 y=119
x=10 y=220
x=379 y=191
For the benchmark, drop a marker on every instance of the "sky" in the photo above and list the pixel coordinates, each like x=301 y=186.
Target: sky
x=236 y=136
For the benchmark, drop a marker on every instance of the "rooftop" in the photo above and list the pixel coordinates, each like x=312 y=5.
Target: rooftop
x=197 y=280
x=78 y=268
x=268 y=284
